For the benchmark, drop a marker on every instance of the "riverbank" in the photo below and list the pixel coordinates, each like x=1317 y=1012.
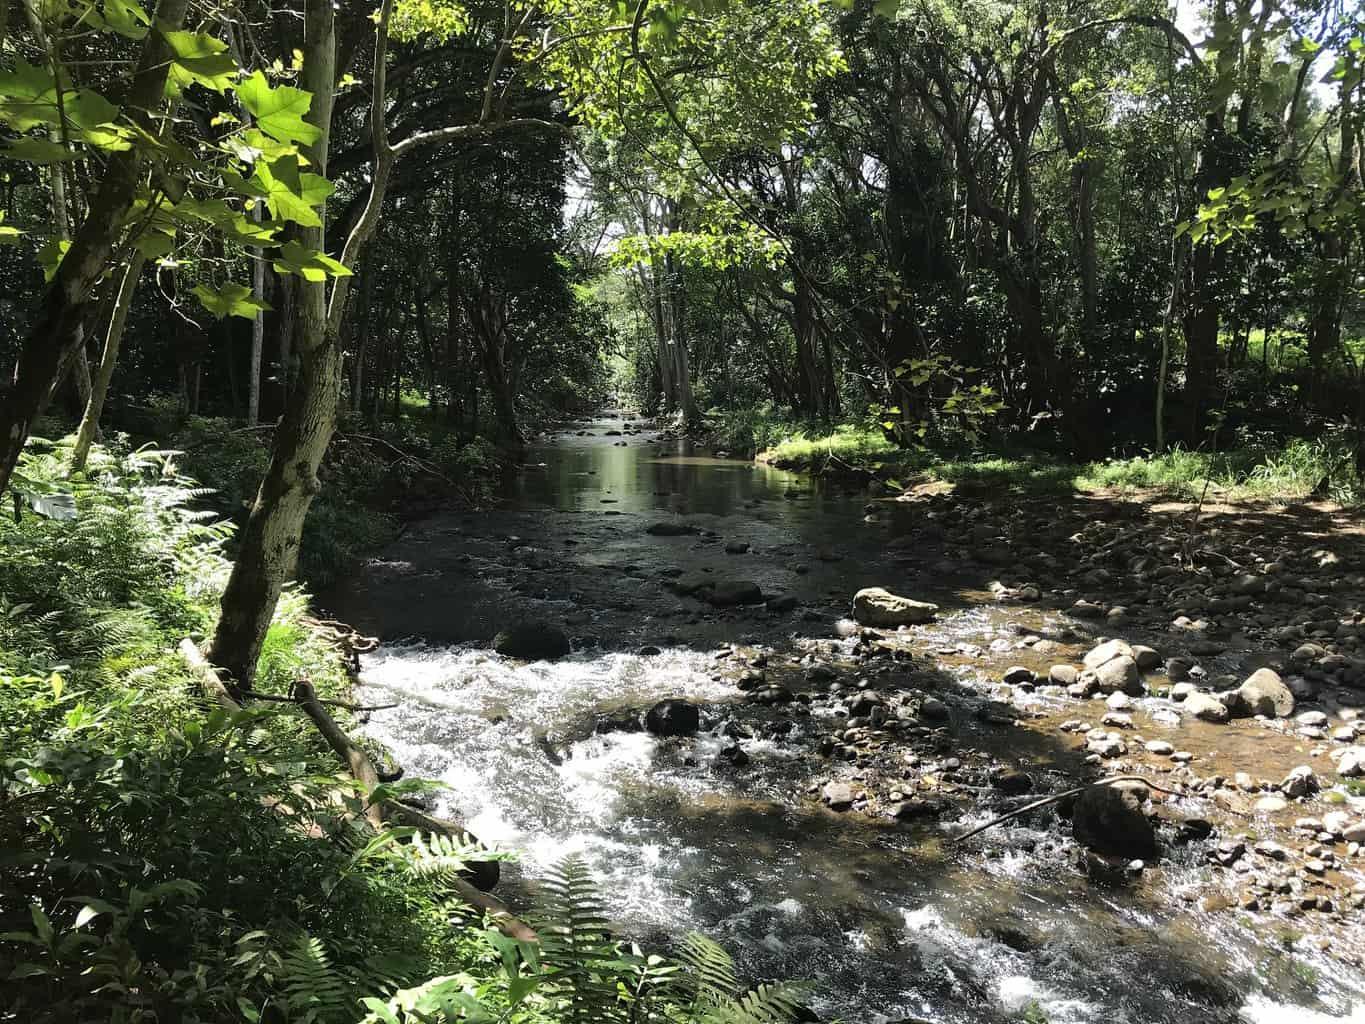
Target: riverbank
x=831 y=758
x=1288 y=471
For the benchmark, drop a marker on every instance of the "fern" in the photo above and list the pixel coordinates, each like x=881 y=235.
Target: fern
x=314 y=991
x=583 y=962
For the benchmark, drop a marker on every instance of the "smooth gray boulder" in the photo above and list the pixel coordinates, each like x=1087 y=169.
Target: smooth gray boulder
x=878 y=607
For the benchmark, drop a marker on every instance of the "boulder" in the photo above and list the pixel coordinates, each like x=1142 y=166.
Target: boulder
x=728 y=593
x=673 y=718
x=1108 y=651
x=1264 y=693
x=531 y=641
x=1352 y=763
x=1062 y=675
x=1204 y=707
x=875 y=606
x=1148 y=659
x=838 y=795
x=1120 y=673
x=1110 y=820
x=1012 y=782
x=1299 y=783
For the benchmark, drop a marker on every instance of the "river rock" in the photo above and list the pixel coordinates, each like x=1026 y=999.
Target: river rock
x=1012 y=782
x=1106 y=652
x=670 y=528
x=1017 y=675
x=1299 y=783
x=1206 y=708
x=1264 y=693
x=1147 y=658
x=837 y=795
x=1178 y=669
x=728 y=593
x=673 y=718
x=1352 y=762
x=531 y=641
x=1062 y=675
x=876 y=606
x=1110 y=820
x=1120 y=673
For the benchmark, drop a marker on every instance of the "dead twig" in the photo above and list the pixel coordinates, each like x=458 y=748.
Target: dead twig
x=1020 y=811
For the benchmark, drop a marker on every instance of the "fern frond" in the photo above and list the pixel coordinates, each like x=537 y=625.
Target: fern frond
x=710 y=968
x=313 y=989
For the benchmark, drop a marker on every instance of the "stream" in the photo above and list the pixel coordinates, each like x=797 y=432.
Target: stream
x=887 y=919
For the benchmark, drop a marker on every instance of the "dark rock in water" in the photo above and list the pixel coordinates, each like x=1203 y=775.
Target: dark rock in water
x=727 y=593
x=673 y=718
x=915 y=807
x=618 y=721
x=735 y=754
x=737 y=547
x=1110 y=820
x=782 y=603
x=1013 y=782
x=669 y=528
x=648 y=651
x=531 y=642
x=1017 y=675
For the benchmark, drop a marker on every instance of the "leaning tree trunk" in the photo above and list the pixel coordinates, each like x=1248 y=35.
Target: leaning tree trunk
x=99 y=383
x=55 y=336
x=269 y=546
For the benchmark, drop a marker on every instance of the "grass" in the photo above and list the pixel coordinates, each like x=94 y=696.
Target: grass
x=1290 y=471
x=848 y=443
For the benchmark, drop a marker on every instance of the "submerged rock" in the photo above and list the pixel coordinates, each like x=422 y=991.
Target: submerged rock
x=670 y=528
x=531 y=641
x=673 y=718
x=727 y=593
x=876 y=606
x=1110 y=820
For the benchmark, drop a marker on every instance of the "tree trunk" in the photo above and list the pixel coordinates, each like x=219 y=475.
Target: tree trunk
x=269 y=547
x=99 y=384
x=56 y=330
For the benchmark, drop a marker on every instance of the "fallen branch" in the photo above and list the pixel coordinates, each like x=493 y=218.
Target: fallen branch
x=377 y=813
x=281 y=699
x=1020 y=811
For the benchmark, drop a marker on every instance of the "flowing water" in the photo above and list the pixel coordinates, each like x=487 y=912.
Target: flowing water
x=889 y=921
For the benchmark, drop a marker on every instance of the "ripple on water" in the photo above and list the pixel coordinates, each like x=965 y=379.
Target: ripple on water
x=888 y=922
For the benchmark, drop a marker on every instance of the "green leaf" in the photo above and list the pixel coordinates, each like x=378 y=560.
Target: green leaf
x=29 y=96
x=292 y=194
x=126 y=18
x=8 y=236
x=28 y=970
x=887 y=8
x=200 y=58
x=37 y=151
x=50 y=256
x=154 y=244
x=309 y=264
x=230 y=300
x=278 y=111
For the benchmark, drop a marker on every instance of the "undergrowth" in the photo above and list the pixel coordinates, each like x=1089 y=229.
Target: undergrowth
x=165 y=860
x=1292 y=470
